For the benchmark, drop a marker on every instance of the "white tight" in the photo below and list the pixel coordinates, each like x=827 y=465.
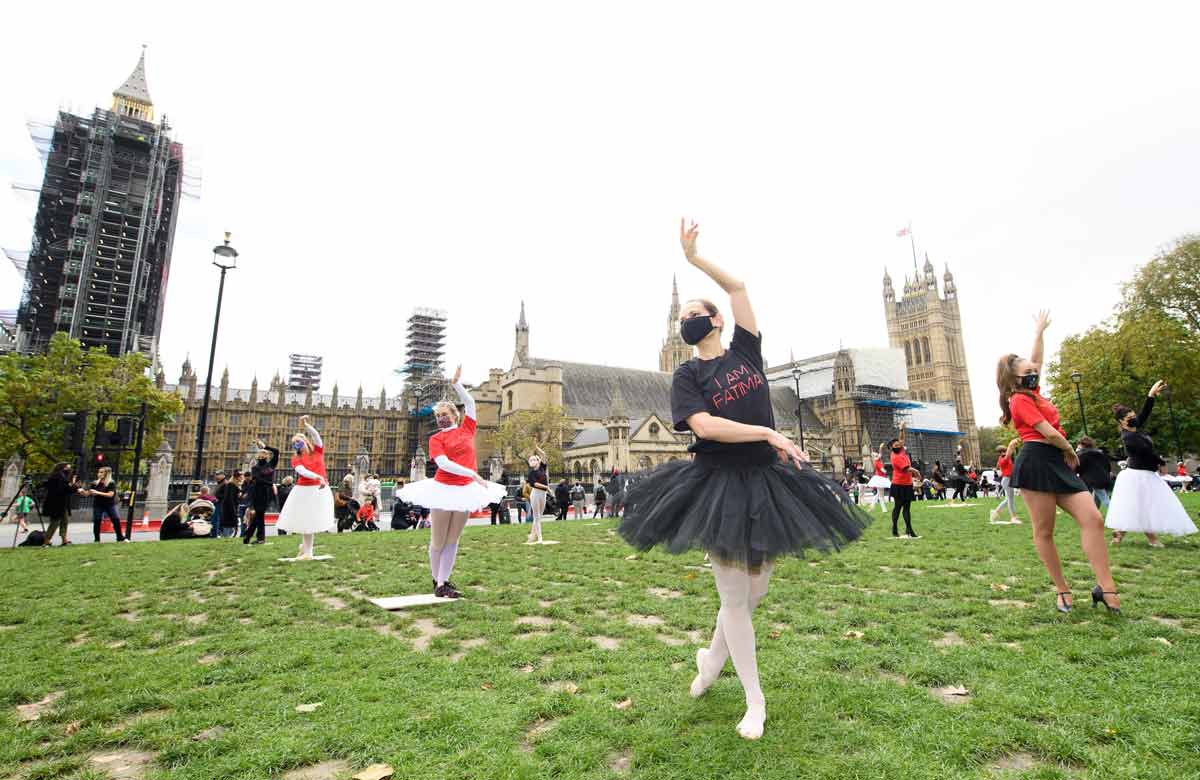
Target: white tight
x=733 y=637
x=306 y=544
x=537 y=505
x=446 y=529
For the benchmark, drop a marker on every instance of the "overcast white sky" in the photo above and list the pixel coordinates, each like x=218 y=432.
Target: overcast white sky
x=373 y=157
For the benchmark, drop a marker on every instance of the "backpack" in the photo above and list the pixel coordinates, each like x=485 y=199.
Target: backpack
x=35 y=539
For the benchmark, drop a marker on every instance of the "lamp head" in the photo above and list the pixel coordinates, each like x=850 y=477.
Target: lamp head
x=1076 y=376
x=225 y=256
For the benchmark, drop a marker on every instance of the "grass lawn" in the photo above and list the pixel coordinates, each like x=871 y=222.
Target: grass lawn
x=189 y=660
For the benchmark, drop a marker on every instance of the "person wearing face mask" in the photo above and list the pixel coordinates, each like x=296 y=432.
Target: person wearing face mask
x=879 y=481
x=309 y=508
x=455 y=491
x=539 y=491
x=747 y=497
x=902 y=484
x=1044 y=473
x=262 y=490
x=1142 y=501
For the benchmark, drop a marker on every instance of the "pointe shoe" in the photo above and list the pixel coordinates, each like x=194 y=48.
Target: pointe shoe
x=699 y=684
x=751 y=726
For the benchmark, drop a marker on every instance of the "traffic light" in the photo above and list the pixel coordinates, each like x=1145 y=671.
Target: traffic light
x=125 y=429
x=76 y=426
x=97 y=459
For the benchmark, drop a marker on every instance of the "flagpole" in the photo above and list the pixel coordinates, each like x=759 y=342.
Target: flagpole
x=913 y=244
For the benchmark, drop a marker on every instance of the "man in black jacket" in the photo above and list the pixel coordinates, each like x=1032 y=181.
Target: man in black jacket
x=562 y=495
x=1096 y=470
x=59 y=488
x=227 y=495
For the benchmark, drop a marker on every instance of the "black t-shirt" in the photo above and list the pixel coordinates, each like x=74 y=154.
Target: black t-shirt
x=731 y=386
x=103 y=502
x=537 y=477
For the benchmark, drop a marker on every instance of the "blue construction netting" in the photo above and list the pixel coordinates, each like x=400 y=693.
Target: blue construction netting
x=891 y=403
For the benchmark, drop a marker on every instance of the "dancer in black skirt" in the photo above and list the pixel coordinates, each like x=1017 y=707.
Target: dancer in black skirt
x=1044 y=472
x=747 y=497
x=903 y=474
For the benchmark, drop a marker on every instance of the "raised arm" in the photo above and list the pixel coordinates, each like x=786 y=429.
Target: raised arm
x=1148 y=404
x=313 y=437
x=739 y=299
x=1041 y=322
x=537 y=450
x=903 y=430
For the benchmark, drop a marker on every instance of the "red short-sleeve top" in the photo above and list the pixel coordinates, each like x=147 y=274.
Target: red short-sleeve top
x=1028 y=410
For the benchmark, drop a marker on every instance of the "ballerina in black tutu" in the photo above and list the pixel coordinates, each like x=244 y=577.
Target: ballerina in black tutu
x=747 y=497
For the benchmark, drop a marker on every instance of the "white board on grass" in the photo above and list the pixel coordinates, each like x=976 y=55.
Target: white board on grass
x=314 y=558
x=404 y=602
x=546 y=541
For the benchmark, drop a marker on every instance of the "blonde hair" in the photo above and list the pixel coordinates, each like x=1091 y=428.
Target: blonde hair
x=104 y=473
x=440 y=405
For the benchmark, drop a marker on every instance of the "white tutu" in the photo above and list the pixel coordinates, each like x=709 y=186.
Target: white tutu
x=877 y=481
x=1142 y=502
x=431 y=494
x=308 y=510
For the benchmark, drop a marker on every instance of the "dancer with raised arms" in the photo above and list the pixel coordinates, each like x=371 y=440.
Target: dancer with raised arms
x=455 y=491
x=879 y=481
x=309 y=509
x=1044 y=473
x=1142 y=501
x=747 y=497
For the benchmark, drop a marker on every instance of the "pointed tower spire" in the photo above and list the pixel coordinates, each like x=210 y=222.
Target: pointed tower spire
x=133 y=97
x=521 y=351
x=521 y=322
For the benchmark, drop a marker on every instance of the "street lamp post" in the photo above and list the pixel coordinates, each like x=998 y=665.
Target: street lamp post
x=1174 y=425
x=225 y=258
x=1077 y=377
x=796 y=372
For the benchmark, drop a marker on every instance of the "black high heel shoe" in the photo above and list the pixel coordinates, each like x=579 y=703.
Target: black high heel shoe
x=1061 y=604
x=1098 y=595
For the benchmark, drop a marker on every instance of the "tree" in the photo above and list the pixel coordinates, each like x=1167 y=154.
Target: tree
x=989 y=438
x=36 y=390
x=1170 y=284
x=545 y=424
x=1120 y=360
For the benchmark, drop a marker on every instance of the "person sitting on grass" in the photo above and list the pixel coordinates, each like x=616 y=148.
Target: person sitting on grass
x=365 y=519
x=176 y=524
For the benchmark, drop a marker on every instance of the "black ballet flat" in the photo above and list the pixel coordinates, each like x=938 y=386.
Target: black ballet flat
x=1098 y=595
x=1061 y=604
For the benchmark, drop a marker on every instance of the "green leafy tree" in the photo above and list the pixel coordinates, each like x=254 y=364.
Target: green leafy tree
x=36 y=390
x=989 y=438
x=545 y=424
x=1169 y=284
x=1119 y=360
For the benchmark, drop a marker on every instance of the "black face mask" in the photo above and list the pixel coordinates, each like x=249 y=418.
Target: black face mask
x=897 y=450
x=694 y=329
x=1029 y=381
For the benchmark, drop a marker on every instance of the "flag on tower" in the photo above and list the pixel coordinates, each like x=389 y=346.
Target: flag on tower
x=902 y=232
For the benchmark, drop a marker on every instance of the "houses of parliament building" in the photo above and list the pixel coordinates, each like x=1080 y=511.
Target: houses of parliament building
x=849 y=401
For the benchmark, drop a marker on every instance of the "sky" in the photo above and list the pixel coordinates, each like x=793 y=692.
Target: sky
x=369 y=158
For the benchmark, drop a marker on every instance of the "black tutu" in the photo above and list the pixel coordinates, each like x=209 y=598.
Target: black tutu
x=1041 y=467
x=740 y=513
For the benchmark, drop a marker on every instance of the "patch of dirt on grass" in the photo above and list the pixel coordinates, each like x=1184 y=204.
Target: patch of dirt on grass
x=134 y=596
x=80 y=640
x=535 y=620
x=949 y=639
x=562 y=686
x=645 y=621
x=899 y=679
x=208 y=660
x=535 y=732
x=27 y=713
x=664 y=593
x=1009 y=603
x=464 y=646
x=188 y=642
x=606 y=642
x=131 y=617
x=333 y=602
x=116 y=645
x=123 y=764
x=1166 y=621
x=673 y=641
x=385 y=630
x=141 y=717
x=329 y=770
x=213 y=733
x=1019 y=762
x=547 y=603
x=675 y=667
x=428 y=630
x=245 y=621
x=621 y=762
x=197 y=620
x=952 y=694
x=531 y=635
x=696 y=637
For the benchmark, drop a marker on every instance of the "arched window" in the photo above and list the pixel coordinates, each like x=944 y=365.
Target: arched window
x=907 y=354
x=925 y=345
x=917 y=351
x=654 y=429
x=510 y=400
x=578 y=470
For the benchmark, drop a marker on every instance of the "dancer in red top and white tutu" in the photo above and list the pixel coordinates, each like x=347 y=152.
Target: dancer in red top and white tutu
x=455 y=491
x=309 y=508
x=879 y=482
